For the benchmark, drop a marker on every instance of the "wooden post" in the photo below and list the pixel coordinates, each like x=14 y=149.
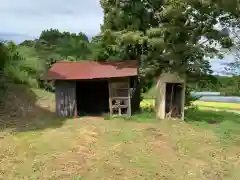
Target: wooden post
x=129 y=98
x=110 y=98
x=183 y=100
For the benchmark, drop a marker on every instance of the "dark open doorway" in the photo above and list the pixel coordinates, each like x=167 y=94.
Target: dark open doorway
x=92 y=97
x=174 y=99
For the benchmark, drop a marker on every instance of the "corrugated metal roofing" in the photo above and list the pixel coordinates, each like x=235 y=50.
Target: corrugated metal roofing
x=91 y=70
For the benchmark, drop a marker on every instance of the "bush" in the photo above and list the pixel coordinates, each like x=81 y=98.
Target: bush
x=22 y=65
x=190 y=98
x=18 y=76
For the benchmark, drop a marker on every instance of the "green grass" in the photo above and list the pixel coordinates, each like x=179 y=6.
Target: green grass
x=224 y=124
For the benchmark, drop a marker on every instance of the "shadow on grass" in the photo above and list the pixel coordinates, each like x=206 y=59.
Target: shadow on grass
x=28 y=110
x=211 y=116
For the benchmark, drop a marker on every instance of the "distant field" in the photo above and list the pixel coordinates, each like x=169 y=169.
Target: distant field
x=218 y=105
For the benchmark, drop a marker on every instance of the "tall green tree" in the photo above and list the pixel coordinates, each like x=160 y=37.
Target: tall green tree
x=173 y=35
x=177 y=35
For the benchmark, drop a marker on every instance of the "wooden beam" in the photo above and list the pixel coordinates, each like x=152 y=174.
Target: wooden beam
x=119 y=98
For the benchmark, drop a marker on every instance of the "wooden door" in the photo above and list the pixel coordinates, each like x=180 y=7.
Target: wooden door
x=65 y=98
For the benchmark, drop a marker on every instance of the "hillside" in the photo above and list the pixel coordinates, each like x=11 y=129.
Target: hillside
x=24 y=106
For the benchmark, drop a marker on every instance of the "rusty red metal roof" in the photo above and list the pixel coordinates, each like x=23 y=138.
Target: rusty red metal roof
x=65 y=70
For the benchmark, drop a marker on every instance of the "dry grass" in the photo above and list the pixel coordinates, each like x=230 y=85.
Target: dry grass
x=45 y=147
x=98 y=149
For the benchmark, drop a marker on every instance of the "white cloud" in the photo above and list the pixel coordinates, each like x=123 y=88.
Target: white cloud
x=30 y=17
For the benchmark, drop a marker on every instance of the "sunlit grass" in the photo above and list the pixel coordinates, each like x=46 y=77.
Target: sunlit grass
x=218 y=105
x=147 y=103
x=125 y=149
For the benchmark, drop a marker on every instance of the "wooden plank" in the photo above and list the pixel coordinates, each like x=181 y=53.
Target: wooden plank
x=121 y=106
x=65 y=98
x=119 y=98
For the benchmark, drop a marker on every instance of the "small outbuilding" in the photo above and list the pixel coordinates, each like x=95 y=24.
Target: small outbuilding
x=170 y=96
x=94 y=88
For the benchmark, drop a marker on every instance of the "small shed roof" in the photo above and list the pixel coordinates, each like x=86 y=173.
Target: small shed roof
x=65 y=70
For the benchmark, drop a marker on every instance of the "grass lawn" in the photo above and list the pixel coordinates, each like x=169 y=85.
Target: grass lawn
x=206 y=146
x=40 y=146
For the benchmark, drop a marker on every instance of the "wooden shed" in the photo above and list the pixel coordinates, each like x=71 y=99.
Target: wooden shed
x=170 y=96
x=94 y=88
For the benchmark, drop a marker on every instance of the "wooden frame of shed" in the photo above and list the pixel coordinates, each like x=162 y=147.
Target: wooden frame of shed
x=170 y=96
x=94 y=88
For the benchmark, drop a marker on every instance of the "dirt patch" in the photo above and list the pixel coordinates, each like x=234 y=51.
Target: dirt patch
x=90 y=118
x=156 y=133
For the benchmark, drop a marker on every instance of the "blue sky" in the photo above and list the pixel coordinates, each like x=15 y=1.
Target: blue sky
x=25 y=19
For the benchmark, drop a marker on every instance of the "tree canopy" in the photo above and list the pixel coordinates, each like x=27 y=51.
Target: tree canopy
x=175 y=35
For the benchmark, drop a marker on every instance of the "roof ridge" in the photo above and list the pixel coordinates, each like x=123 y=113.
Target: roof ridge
x=96 y=61
x=73 y=61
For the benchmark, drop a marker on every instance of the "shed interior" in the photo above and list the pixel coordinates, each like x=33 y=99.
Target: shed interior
x=92 y=97
x=173 y=107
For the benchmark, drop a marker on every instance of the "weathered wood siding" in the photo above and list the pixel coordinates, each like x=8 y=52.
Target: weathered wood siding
x=119 y=96
x=161 y=92
x=65 y=98
x=124 y=93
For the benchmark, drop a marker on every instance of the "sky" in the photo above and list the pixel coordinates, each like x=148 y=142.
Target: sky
x=25 y=19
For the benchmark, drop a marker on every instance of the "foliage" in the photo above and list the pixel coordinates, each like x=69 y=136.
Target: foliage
x=233 y=67
x=189 y=99
x=177 y=35
x=54 y=45
x=163 y=34
x=22 y=65
x=228 y=85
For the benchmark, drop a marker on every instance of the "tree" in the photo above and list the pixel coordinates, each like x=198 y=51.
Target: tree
x=233 y=67
x=175 y=35
x=54 y=45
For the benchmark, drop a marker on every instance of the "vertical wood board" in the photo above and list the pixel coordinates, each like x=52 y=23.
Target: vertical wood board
x=65 y=98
